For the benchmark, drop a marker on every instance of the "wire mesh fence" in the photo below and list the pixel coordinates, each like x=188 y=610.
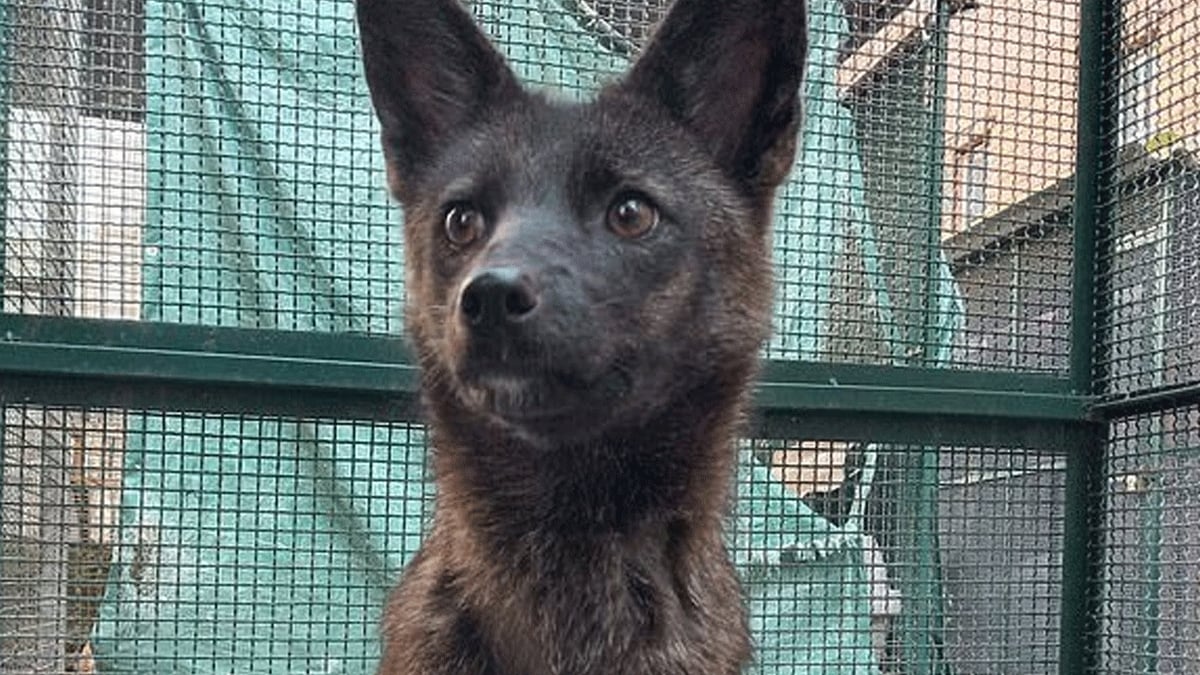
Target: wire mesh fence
x=139 y=541
x=1152 y=579
x=156 y=541
x=210 y=163
x=1150 y=343
x=882 y=557
x=1151 y=251
x=214 y=163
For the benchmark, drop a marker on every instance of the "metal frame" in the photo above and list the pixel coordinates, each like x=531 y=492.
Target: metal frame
x=1081 y=566
x=136 y=353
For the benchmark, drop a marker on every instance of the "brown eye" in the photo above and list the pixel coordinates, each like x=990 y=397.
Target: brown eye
x=632 y=216
x=464 y=224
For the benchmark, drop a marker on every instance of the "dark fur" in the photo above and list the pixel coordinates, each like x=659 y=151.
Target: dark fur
x=584 y=455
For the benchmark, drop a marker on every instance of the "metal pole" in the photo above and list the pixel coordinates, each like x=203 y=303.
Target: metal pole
x=5 y=97
x=925 y=625
x=1082 y=564
x=1087 y=185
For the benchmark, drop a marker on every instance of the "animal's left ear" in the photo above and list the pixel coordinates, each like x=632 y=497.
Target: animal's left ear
x=730 y=71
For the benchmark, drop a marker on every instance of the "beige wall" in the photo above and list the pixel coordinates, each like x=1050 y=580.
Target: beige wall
x=1011 y=85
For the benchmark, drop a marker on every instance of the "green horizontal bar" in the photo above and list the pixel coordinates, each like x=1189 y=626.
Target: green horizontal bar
x=887 y=389
x=907 y=376
x=1149 y=401
x=198 y=354
x=190 y=337
x=923 y=430
x=207 y=397
x=130 y=350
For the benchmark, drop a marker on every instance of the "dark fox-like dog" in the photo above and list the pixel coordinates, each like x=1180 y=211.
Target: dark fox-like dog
x=588 y=289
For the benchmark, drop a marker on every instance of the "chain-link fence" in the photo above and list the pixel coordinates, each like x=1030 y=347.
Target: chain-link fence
x=974 y=441
x=1148 y=356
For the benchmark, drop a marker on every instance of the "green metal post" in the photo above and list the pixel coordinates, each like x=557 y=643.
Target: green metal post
x=924 y=622
x=1150 y=614
x=934 y=174
x=5 y=88
x=1089 y=116
x=1081 y=565
x=1079 y=627
x=5 y=97
x=1151 y=512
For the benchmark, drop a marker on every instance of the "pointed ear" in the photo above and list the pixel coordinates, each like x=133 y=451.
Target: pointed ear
x=431 y=72
x=731 y=70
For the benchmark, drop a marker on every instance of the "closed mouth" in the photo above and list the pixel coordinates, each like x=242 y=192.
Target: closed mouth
x=541 y=399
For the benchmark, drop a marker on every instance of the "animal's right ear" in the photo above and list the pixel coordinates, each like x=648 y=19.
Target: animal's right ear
x=431 y=72
x=731 y=71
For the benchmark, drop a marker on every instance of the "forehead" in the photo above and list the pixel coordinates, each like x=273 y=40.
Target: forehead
x=542 y=146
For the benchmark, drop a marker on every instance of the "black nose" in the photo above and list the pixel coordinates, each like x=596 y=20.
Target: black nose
x=497 y=296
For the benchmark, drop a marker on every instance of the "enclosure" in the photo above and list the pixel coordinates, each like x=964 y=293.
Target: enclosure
x=975 y=447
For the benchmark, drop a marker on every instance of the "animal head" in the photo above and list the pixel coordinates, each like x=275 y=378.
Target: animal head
x=572 y=268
